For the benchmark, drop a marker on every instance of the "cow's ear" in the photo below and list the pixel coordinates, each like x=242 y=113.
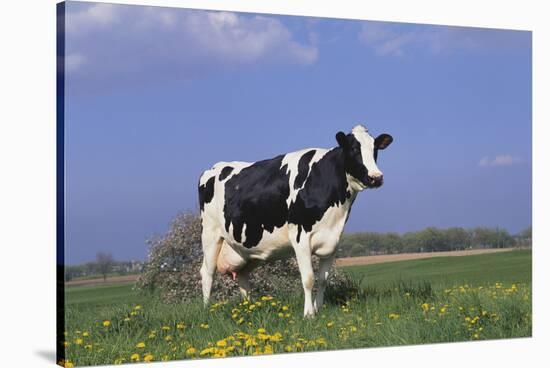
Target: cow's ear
x=383 y=141
x=341 y=139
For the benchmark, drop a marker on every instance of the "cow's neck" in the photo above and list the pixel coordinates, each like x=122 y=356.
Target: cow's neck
x=354 y=185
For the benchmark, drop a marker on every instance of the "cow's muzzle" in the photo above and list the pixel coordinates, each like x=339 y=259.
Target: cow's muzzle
x=375 y=181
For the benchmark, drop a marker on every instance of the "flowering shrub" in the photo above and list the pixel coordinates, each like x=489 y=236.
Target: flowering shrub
x=175 y=260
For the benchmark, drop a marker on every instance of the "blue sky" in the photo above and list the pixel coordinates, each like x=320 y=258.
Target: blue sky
x=156 y=95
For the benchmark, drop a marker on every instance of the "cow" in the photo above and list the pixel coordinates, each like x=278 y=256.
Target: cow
x=257 y=211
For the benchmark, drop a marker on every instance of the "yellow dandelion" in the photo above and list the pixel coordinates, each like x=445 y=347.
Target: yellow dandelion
x=221 y=343
x=330 y=324
x=78 y=341
x=69 y=364
x=168 y=338
x=191 y=351
x=140 y=345
x=205 y=325
x=137 y=307
x=206 y=351
x=393 y=316
x=268 y=349
x=180 y=326
x=148 y=358
x=263 y=336
x=106 y=323
x=425 y=307
x=165 y=328
x=85 y=334
x=134 y=357
x=285 y=307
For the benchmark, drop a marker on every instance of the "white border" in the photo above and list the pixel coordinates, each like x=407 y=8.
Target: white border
x=27 y=179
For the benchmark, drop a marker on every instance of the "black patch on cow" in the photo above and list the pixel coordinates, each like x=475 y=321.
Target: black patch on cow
x=325 y=187
x=206 y=192
x=256 y=196
x=225 y=172
x=303 y=169
x=375 y=154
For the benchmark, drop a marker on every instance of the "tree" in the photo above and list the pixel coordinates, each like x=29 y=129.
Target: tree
x=104 y=262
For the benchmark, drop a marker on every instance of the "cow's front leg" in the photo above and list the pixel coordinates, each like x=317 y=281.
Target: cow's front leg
x=324 y=269
x=303 y=256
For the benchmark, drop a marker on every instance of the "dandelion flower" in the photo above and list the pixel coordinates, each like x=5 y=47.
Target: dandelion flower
x=191 y=351
x=330 y=324
x=106 y=323
x=140 y=345
x=134 y=357
x=78 y=341
x=148 y=358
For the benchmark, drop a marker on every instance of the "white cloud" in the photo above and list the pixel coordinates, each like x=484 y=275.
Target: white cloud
x=500 y=160
x=399 y=39
x=126 y=43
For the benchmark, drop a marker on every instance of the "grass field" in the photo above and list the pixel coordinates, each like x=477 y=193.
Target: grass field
x=408 y=302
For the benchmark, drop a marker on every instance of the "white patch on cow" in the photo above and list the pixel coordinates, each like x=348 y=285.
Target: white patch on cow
x=326 y=232
x=367 y=150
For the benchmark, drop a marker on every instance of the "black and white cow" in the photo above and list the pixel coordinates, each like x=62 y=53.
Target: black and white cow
x=255 y=211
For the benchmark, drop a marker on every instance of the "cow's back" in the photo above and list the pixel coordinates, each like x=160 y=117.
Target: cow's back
x=249 y=202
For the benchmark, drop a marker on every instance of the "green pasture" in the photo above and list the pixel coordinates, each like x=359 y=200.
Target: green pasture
x=401 y=303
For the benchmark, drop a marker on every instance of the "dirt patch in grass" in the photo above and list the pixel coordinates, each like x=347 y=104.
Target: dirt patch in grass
x=368 y=260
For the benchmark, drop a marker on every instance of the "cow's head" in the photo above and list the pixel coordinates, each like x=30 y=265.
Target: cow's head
x=361 y=153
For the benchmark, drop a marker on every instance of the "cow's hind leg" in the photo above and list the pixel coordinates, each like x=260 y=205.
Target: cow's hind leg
x=211 y=244
x=244 y=284
x=324 y=268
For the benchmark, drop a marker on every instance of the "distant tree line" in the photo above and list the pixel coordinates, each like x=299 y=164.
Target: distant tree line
x=430 y=239
x=103 y=266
